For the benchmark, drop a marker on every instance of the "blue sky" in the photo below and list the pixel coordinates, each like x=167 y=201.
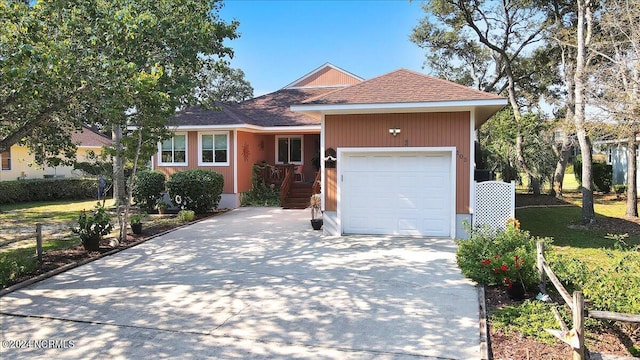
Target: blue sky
x=283 y=40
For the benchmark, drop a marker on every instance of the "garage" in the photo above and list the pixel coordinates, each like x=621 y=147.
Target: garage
x=397 y=191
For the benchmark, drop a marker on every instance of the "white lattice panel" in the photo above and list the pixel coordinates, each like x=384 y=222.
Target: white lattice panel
x=495 y=204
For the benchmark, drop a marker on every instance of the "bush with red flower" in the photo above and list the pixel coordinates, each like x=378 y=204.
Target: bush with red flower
x=500 y=258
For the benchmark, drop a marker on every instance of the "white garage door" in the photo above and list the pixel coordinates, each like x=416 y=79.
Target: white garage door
x=397 y=193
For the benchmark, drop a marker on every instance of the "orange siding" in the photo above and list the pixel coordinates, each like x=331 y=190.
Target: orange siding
x=417 y=130
x=327 y=77
x=192 y=143
x=252 y=150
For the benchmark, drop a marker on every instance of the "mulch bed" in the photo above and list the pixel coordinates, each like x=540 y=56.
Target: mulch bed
x=611 y=339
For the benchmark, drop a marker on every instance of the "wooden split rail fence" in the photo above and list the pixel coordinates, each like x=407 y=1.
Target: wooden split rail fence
x=575 y=336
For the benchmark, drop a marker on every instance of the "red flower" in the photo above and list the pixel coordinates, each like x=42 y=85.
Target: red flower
x=486 y=262
x=507 y=281
x=496 y=270
x=504 y=268
x=517 y=265
x=496 y=256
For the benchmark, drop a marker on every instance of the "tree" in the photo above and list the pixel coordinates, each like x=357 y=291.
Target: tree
x=488 y=45
x=616 y=89
x=584 y=36
x=222 y=85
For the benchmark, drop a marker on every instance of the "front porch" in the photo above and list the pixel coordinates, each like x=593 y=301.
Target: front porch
x=294 y=187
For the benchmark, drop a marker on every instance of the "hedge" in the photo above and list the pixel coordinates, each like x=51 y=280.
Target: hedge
x=148 y=187
x=20 y=191
x=197 y=190
x=602 y=175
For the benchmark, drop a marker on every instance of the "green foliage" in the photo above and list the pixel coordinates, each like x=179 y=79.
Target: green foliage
x=12 y=268
x=528 y=319
x=147 y=188
x=260 y=194
x=65 y=63
x=197 y=190
x=186 y=215
x=46 y=190
x=479 y=256
x=137 y=218
x=602 y=175
x=93 y=225
x=620 y=188
x=613 y=285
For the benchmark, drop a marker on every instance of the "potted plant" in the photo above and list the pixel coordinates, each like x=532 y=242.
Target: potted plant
x=92 y=227
x=316 y=203
x=136 y=222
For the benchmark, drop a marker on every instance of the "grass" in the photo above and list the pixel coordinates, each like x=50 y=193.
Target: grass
x=55 y=211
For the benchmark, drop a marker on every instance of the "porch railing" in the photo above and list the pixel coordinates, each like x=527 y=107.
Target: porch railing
x=286 y=182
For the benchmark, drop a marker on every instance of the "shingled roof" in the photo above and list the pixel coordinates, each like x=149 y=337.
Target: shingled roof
x=402 y=86
x=88 y=138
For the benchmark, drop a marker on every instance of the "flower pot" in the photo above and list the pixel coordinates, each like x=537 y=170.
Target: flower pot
x=136 y=228
x=91 y=244
x=516 y=291
x=316 y=224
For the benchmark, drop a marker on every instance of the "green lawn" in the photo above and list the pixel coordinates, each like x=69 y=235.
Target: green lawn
x=54 y=211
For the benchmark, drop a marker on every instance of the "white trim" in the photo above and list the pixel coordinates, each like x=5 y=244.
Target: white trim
x=323 y=180
x=289 y=86
x=251 y=128
x=397 y=107
x=186 y=151
x=343 y=152
x=301 y=137
x=472 y=162
x=235 y=161
x=213 y=134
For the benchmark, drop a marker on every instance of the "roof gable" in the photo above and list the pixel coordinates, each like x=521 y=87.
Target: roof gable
x=326 y=75
x=402 y=86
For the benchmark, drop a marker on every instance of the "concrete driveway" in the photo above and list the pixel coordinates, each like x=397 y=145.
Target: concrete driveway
x=252 y=283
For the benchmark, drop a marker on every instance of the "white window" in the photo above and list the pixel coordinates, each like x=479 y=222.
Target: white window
x=213 y=149
x=173 y=151
x=5 y=158
x=289 y=150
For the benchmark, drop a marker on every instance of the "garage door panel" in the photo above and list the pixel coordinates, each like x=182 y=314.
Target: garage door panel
x=401 y=194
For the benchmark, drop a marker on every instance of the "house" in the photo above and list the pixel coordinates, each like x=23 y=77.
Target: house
x=397 y=150
x=616 y=154
x=19 y=163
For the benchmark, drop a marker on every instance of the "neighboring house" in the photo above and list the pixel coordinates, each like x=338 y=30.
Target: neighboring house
x=397 y=150
x=18 y=163
x=617 y=156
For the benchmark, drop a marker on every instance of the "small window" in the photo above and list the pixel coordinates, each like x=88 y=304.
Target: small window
x=214 y=149
x=289 y=150
x=173 y=151
x=6 y=160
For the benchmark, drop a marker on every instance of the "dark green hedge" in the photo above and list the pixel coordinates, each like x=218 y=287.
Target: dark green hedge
x=20 y=191
x=197 y=190
x=148 y=188
x=602 y=175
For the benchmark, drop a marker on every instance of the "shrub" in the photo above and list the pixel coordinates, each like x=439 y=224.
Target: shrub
x=620 y=188
x=260 y=194
x=528 y=319
x=147 y=188
x=490 y=258
x=611 y=285
x=197 y=190
x=47 y=190
x=186 y=215
x=602 y=175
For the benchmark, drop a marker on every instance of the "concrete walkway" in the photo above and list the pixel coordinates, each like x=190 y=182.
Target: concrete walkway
x=252 y=283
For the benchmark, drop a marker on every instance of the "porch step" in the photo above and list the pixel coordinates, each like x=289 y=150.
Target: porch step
x=298 y=196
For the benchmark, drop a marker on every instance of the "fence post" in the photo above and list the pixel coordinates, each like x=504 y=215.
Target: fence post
x=39 y=242
x=539 y=261
x=578 y=324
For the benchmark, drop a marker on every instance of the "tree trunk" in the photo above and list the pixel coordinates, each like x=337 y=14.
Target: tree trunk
x=632 y=177
x=118 y=166
x=561 y=166
x=583 y=36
